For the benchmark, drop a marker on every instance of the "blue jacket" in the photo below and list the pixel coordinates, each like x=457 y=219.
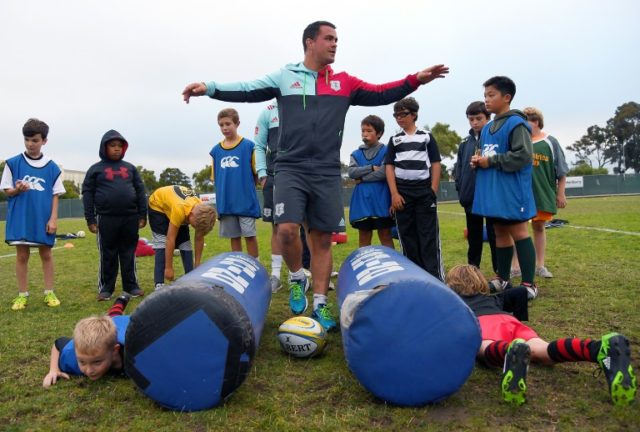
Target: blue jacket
x=312 y=108
x=498 y=193
x=372 y=198
x=465 y=175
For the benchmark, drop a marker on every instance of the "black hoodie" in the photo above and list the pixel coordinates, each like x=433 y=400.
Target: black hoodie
x=113 y=187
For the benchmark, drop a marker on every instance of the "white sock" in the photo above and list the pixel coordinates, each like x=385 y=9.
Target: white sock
x=319 y=299
x=23 y=294
x=276 y=265
x=48 y=291
x=297 y=275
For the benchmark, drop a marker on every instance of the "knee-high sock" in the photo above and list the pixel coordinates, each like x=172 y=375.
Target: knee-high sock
x=574 y=349
x=527 y=259
x=504 y=255
x=158 y=270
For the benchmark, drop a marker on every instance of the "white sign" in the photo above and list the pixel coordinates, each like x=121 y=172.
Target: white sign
x=574 y=182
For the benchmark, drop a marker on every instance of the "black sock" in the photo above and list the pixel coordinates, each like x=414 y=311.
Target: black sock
x=573 y=350
x=527 y=259
x=495 y=353
x=503 y=256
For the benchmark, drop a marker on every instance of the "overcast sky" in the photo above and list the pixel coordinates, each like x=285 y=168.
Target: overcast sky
x=88 y=66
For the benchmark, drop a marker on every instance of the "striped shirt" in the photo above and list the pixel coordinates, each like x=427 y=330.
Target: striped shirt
x=412 y=156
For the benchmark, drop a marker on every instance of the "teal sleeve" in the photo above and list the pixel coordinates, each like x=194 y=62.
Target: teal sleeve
x=260 y=90
x=260 y=138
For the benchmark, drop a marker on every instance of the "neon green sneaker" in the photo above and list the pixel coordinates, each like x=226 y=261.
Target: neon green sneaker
x=19 y=303
x=514 y=374
x=614 y=358
x=51 y=300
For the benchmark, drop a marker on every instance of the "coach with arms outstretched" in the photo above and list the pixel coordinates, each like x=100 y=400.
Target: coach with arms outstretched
x=312 y=101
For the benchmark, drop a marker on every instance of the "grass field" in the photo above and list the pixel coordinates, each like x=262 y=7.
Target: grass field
x=595 y=290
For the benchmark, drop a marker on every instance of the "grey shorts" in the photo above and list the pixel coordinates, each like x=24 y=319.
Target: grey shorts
x=267 y=196
x=316 y=199
x=237 y=226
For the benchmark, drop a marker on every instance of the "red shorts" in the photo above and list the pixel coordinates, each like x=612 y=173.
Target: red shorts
x=504 y=327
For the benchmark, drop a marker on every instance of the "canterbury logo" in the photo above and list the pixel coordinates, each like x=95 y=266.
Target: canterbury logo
x=296 y=85
x=229 y=162
x=109 y=173
x=34 y=182
x=489 y=150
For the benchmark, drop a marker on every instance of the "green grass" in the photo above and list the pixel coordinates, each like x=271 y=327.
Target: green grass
x=595 y=290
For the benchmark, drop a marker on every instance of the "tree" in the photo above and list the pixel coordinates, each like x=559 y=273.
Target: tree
x=72 y=191
x=148 y=179
x=625 y=127
x=583 y=168
x=598 y=143
x=202 y=180
x=173 y=176
x=447 y=139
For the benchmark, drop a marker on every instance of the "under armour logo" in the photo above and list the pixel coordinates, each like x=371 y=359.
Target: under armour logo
x=229 y=162
x=34 y=182
x=110 y=173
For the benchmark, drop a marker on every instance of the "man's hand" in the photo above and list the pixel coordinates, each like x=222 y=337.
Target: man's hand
x=263 y=181
x=433 y=72
x=195 y=89
x=93 y=228
x=52 y=378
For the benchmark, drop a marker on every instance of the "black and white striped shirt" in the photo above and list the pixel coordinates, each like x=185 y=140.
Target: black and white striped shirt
x=412 y=156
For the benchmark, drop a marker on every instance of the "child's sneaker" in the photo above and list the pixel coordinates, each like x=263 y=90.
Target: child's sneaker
x=275 y=284
x=543 y=272
x=614 y=358
x=532 y=290
x=514 y=373
x=497 y=285
x=51 y=300
x=19 y=303
x=104 y=295
x=136 y=292
x=297 y=297
x=323 y=315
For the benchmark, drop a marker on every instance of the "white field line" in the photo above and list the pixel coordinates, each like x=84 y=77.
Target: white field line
x=633 y=233
x=12 y=255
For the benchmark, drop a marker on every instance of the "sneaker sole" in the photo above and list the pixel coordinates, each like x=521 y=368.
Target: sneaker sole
x=514 y=381
x=624 y=384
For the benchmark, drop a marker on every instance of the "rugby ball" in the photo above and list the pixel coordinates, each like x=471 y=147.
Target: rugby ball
x=302 y=337
x=81 y=234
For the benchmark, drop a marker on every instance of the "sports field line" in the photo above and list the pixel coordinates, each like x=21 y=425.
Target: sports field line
x=12 y=255
x=633 y=233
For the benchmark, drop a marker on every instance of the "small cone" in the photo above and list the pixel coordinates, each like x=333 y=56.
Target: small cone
x=68 y=245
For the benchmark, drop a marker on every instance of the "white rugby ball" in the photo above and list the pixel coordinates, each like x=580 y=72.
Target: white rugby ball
x=302 y=337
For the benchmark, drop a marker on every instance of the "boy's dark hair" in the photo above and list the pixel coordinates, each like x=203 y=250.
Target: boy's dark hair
x=503 y=84
x=312 y=30
x=375 y=122
x=230 y=112
x=477 y=107
x=33 y=126
x=407 y=104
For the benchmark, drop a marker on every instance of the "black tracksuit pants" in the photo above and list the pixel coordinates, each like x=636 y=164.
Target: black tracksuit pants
x=117 y=241
x=475 y=235
x=418 y=228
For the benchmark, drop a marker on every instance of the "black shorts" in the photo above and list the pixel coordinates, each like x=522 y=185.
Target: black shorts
x=373 y=224
x=501 y=221
x=159 y=224
x=316 y=199
x=267 y=195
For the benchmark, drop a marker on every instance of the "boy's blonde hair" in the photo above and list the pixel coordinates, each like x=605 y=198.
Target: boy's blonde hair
x=534 y=115
x=467 y=280
x=95 y=334
x=231 y=113
x=205 y=217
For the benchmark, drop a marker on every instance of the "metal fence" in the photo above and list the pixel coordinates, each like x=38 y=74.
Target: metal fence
x=576 y=186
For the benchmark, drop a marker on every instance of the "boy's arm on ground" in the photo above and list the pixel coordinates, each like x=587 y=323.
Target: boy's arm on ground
x=199 y=246
x=54 y=370
x=519 y=154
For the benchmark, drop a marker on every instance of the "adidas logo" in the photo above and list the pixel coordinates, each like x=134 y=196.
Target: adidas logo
x=296 y=85
x=275 y=120
x=341 y=222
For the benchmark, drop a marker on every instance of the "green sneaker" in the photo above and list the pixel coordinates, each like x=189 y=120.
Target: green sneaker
x=51 y=300
x=19 y=303
x=323 y=315
x=514 y=373
x=614 y=358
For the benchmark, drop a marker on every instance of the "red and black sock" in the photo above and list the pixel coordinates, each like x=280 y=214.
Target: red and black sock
x=495 y=353
x=573 y=350
x=118 y=307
